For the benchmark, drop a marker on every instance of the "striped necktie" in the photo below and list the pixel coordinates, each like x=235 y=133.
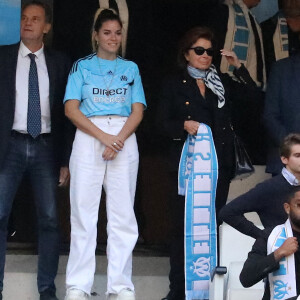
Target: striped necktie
x=34 y=107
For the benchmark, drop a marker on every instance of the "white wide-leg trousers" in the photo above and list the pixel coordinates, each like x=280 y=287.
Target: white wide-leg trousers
x=89 y=172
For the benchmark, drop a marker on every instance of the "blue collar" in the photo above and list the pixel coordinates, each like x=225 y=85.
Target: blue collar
x=196 y=73
x=290 y=178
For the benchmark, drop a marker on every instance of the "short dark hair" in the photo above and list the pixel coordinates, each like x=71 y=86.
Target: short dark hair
x=288 y=142
x=44 y=5
x=291 y=194
x=190 y=38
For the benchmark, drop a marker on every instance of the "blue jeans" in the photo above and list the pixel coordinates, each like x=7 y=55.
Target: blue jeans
x=33 y=158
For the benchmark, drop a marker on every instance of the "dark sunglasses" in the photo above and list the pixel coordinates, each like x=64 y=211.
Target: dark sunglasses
x=201 y=50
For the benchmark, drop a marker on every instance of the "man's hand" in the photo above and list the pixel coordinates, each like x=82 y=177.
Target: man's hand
x=290 y=246
x=64 y=176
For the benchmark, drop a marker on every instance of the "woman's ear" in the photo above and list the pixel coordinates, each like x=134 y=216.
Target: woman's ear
x=95 y=36
x=186 y=56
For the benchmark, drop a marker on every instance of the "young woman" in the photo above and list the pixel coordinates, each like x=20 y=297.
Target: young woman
x=105 y=100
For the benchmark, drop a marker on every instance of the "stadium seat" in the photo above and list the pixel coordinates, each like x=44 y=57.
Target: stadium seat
x=234 y=248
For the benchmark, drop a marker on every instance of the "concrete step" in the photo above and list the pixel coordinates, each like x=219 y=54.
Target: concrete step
x=150 y=278
x=239 y=187
x=150 y=274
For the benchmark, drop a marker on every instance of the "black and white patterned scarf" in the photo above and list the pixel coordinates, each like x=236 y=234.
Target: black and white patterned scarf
x=211 y=80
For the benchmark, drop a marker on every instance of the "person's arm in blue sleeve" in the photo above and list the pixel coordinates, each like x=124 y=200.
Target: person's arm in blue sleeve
x=137 y=90
x=137 y=107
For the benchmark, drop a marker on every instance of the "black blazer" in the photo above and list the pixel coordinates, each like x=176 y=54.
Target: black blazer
x=61 y=129
x=179 y=101
x=282 y=107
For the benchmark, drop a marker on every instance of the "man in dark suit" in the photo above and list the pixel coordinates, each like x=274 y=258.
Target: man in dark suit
x=282 y=107
x=35 y=136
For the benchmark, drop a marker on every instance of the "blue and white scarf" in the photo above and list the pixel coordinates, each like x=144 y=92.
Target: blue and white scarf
x=211 y=80
x=282 y=281
x=240 y=39
x=280 y=38
x=197 y=180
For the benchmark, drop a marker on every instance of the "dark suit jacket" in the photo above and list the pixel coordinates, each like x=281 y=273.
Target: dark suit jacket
x=282 y=107
x=61 y=129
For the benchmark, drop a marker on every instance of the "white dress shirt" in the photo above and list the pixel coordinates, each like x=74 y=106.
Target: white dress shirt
x=22 y=77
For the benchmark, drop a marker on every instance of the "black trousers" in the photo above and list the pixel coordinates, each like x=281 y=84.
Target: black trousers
x=177 y=206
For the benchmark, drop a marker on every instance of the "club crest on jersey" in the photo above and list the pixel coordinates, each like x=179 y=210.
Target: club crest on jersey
x=123 y=78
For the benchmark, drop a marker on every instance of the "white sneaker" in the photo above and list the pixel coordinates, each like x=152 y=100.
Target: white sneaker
x=125 y=294
x=75 y=294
